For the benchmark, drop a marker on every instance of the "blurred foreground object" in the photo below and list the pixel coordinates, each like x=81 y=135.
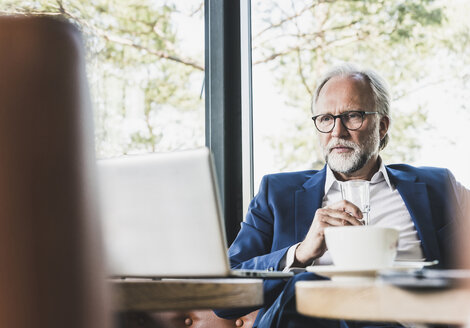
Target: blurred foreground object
x=50 y=253
x=464 y=242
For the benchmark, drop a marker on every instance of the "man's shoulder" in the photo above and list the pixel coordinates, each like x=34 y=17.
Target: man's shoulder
x=293 y=175
x=291 y=178
x=422 y=172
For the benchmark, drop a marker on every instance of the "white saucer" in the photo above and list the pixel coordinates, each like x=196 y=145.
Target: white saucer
x=360 y=274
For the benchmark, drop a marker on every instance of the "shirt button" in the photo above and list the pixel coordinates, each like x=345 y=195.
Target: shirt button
x=188 y=321
x=239 y=323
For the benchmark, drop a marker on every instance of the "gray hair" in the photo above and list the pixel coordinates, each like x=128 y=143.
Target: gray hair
x=380 y=89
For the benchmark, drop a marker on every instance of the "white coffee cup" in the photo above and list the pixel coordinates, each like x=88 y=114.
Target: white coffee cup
x=362 y=247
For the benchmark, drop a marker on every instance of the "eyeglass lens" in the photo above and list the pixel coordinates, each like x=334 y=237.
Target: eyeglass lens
x=351 y=120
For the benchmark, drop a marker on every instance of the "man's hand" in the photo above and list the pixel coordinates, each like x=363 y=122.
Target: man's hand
x=342 y=213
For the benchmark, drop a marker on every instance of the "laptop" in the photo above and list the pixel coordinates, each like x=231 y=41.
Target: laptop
x=161 y=217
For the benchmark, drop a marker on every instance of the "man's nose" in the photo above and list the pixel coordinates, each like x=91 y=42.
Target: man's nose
x=339 y=129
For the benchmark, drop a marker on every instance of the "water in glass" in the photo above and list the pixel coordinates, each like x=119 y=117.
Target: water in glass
x=358 y=193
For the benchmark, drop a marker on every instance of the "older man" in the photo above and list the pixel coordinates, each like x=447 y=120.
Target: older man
x=285 y=221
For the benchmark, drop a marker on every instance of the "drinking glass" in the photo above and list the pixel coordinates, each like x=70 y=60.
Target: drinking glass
x=358 y=193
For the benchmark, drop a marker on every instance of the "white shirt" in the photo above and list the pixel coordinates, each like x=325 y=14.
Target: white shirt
x=387 y=209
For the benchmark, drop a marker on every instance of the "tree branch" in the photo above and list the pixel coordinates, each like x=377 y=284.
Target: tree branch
x=275 y=55
x=294 y=16
x=300 y=66
x=159 y=54
x=305 y=37
x=33 y=12
x=100 y=33
x=282 y=21
x=198 y=9
x=301 y=74
x=420 y=87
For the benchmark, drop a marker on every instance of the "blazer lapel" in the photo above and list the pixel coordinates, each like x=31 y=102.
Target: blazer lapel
x=416 y=199
x=307 y=201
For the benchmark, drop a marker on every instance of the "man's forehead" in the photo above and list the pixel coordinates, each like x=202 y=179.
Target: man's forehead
x=346 y=90
x=352 y=83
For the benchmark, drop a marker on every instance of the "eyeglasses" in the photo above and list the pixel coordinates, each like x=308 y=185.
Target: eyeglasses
x=352 y=120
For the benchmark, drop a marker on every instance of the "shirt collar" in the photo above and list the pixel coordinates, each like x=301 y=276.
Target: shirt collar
x=382 y=174
x=379 y=176
x=330 y=179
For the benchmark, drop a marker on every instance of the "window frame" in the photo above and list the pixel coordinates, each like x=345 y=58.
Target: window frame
x=228 y=106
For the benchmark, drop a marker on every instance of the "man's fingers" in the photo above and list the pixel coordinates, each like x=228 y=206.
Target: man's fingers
x=332 y=221
x=348 y=207
x=338 y=217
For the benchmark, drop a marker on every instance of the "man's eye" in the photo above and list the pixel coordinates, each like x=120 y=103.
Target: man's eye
x=353 y=116
x=325 y=119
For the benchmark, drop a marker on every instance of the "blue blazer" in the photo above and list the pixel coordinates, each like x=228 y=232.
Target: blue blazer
x=280 y=215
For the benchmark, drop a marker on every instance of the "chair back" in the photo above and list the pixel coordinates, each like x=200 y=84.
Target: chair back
x=50 y=251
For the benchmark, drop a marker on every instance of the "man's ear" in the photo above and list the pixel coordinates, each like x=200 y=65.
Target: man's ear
x=383 y=127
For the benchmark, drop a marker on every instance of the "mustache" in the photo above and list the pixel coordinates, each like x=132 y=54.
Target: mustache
x=340 y=143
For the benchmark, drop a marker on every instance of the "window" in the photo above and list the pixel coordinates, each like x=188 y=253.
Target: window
x=151 y=67
x=421 y=47
x=146 y=70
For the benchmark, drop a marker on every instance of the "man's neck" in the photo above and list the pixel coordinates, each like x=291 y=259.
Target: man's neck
x=365 y=173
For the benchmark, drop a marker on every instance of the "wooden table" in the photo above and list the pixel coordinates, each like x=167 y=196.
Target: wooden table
x=182 y=294
x=376 y=301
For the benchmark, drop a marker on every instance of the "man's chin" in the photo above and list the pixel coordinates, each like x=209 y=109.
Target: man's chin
x=341 y=163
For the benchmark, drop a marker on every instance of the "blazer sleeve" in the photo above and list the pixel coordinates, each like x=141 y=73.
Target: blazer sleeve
x=252 y=248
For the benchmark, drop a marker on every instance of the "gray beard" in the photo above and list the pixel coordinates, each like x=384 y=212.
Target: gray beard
x=347 y=164
x=350 y=163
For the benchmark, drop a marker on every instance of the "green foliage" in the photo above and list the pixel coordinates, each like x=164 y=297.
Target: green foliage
x=133 y=46
x=404 y=140
x=300 y=41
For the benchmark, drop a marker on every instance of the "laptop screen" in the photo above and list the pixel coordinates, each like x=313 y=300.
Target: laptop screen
x=161 y=215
